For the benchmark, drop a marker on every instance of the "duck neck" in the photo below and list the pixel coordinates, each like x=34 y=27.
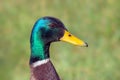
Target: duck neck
x=39 y=50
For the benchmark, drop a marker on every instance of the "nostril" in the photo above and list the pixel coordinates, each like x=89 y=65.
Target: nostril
x=69 y=35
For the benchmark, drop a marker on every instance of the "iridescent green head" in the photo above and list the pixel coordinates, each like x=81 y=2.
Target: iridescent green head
x=45 y=31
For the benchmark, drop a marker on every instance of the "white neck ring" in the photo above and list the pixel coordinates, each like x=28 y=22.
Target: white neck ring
x=41 y=62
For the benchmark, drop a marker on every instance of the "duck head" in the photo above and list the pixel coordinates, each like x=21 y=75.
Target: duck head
x=45 y=31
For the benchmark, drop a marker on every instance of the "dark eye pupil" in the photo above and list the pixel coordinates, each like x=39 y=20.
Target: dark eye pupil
x=52 y=25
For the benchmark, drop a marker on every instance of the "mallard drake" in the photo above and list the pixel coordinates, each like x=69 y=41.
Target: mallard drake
x=45 y=31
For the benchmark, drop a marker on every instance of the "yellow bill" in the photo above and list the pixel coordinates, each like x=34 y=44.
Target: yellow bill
x=67 y=37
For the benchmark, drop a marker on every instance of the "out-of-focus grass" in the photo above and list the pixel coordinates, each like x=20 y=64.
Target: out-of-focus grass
x=96 y=22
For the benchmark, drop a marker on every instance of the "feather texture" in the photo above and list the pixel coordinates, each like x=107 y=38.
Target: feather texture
x=44 y=72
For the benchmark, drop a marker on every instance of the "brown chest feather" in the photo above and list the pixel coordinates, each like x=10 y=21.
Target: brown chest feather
x=44 y=72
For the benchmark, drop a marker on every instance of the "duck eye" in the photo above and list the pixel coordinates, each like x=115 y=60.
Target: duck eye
x=52 y=25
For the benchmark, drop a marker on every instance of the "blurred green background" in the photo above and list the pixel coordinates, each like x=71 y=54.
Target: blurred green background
x=95 y=21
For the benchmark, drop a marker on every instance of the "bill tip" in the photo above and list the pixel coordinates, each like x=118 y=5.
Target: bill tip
x=86 y=44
